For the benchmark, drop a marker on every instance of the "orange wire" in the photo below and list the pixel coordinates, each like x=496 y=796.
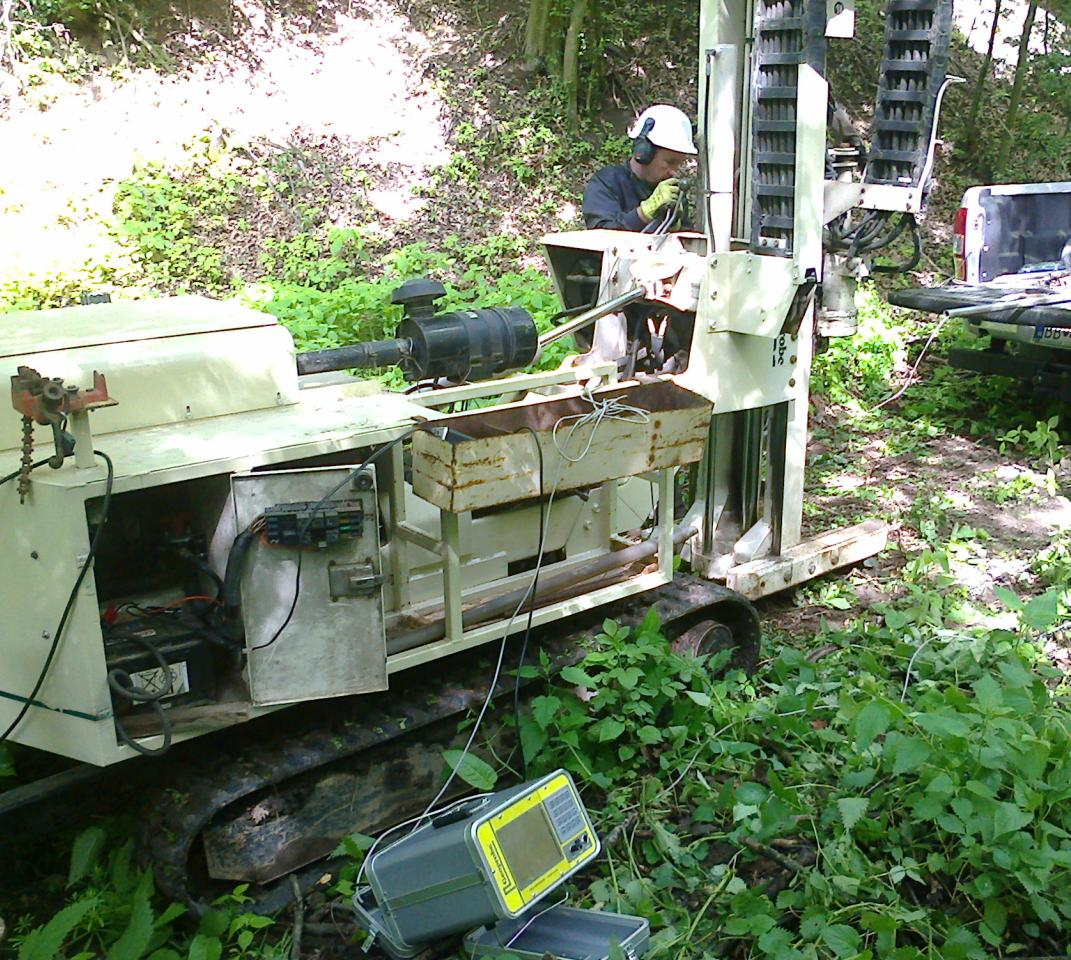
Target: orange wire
x=179 y=603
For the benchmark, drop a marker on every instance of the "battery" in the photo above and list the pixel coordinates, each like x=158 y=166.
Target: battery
x=129 y=646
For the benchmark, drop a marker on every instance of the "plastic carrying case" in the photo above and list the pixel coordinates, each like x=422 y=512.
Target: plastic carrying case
x=567 y=933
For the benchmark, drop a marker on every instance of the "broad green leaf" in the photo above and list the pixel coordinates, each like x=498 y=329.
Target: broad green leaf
x=85 y=852
x=544 y=710
x=1008 y=598
x=962 y=944
x=1015 y=674
x=701 y=698
x=841 y=939
x=1042 y=612
x=135 y=939
x=608 y=729
x=213 y=924
x=749 y=792
x=649 y=734
x=470 y=768
x=941 y=786
x=852 y=810
x=122 y=871
x=1008 y=818
x=45 y=942
x=775 y=942
x=996 y=916
x=533 y=739
x=666 y=841
x=205 y=948
x=628 y=677
x=909 y=754
x=741 y=811
x=577 y=676
x=872 y=721
x=652 y=622
x=173 y=912
x=355 y=846
x=987 y=693
x=165 y=953
x=885 y=928
x=943 y=724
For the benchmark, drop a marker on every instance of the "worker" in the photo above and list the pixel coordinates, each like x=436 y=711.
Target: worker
x=629 y=196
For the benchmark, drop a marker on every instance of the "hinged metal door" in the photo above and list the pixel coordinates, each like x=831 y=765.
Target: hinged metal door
x=334 y=642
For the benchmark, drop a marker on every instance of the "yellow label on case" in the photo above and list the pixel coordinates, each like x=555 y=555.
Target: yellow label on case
x=514 y=898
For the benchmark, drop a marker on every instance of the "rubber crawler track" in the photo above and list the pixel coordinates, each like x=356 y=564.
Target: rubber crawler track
x=177 y=815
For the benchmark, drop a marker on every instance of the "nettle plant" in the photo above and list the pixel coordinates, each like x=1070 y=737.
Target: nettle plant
x=904 y=797
x=113 y=912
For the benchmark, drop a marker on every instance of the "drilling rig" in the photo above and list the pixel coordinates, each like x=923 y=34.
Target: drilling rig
x=281 y=573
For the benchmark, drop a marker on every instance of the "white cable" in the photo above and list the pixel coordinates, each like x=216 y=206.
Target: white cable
x=612 y=408
x=911 y=376
x=405 y=823
x=531 y=920
x=608 y=409
x=911 y=663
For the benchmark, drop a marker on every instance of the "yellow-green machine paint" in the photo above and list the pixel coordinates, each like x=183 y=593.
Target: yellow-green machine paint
x=209 y=407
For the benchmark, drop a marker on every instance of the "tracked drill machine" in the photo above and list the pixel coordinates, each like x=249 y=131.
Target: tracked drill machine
x=283 y=575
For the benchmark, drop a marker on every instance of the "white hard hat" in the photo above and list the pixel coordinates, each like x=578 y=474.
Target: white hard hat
x=668 y=128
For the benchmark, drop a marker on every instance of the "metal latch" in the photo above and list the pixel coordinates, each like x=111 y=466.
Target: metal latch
x=353 y=580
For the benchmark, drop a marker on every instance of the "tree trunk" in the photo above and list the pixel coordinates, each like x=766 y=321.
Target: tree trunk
x=554 y=50
x=593 y=38
x=1017 y=88
x=979 y=84
x=571 y=57
x=535 y=33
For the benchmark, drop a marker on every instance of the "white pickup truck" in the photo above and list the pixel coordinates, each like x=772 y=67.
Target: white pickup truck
x=1012 y=249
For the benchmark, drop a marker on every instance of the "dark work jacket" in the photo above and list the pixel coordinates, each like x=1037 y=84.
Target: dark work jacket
x=611 y=198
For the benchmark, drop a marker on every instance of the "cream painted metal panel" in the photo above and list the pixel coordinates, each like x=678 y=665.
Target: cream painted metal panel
x=74 y=328
x=325 y=420
x=168 y=380
x=44 y=543
x=332 y=646
x=753 y=294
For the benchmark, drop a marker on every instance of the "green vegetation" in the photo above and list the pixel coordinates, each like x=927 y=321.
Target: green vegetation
x=901 y=795
x=111 y=914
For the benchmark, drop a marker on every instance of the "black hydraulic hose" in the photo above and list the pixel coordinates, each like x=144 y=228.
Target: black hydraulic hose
x=890 y=237
x=15 y=473
x=122 y=684
x=916 y=254
x=363 y=356
x=201 y=564
x=231 y=596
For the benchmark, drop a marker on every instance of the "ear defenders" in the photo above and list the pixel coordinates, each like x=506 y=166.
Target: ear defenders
x=643 y=151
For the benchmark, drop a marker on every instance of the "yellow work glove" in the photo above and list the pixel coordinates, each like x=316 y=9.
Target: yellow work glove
x=665 y=193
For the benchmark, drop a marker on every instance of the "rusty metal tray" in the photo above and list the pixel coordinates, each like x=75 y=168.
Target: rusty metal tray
x=477 y=460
